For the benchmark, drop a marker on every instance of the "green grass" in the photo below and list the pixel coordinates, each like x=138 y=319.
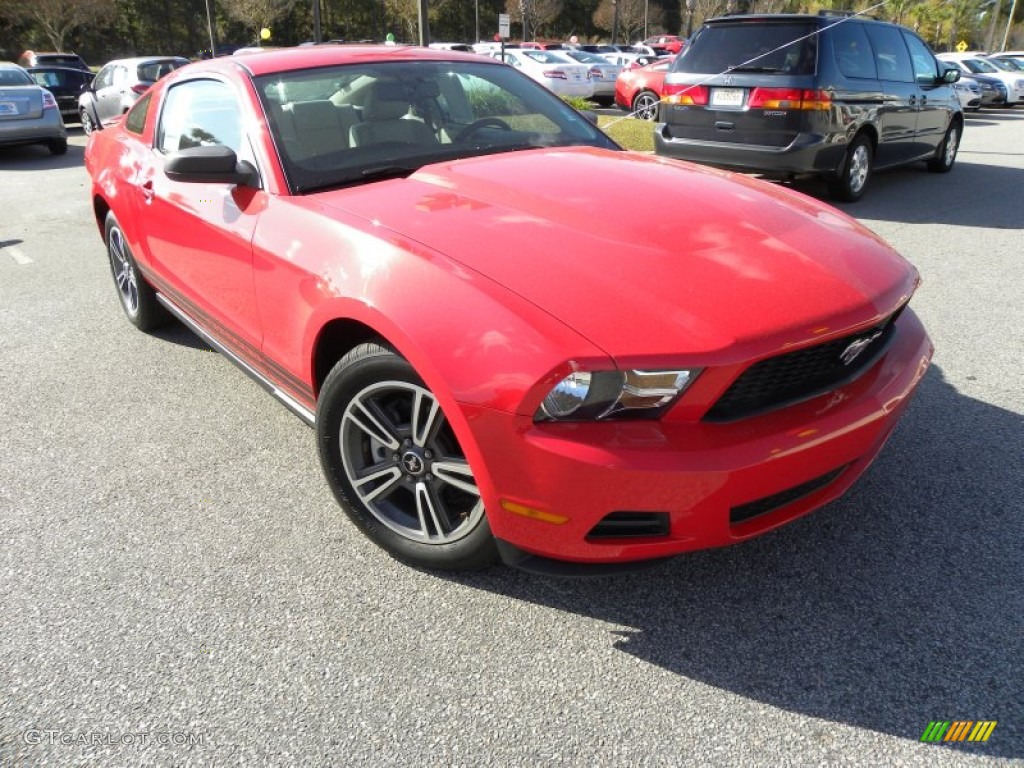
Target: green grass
x=628 y=131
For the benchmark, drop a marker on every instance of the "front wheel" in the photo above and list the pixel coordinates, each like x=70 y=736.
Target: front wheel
x=945 y=154
x=396 y=466
x=88 y=126
x=853 y=177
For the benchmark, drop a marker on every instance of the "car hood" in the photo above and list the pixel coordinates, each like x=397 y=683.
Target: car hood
x=645 y=256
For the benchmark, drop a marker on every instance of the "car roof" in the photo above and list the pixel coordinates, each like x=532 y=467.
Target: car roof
x=313 y=56
x=136 y=60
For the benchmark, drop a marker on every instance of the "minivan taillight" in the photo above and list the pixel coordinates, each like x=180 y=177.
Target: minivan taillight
x=678 y=93
x=788 y=98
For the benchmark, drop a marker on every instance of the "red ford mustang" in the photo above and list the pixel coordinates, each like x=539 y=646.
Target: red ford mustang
x=511 y=337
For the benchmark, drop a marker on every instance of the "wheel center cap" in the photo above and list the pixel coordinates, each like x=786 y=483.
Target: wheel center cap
x=413 y=463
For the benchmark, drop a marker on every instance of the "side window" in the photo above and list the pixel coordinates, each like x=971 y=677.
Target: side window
x=926 y=69
x=853 y=51
x=136 y=120
x=120 y=75
x=200 y=113
x=891 y=57
x=104 y=78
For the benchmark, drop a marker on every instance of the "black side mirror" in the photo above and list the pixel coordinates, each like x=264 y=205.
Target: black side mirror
x=214 y=164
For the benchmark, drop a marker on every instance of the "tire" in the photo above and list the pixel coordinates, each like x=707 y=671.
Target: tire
x=137 y=297
x=88 y=126
x=58 y=146
x=645 y=105
x=945 y=153
x=395 y=465
x=856 y=171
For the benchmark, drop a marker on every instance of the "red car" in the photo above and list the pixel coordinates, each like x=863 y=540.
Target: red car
x=671 y=43
x=639 y=90
x=506 y=336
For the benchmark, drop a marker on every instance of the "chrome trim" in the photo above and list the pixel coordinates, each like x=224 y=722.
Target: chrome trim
x=286 y=400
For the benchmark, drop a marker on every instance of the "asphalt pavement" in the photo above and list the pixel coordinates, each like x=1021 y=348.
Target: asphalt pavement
x=180 y=588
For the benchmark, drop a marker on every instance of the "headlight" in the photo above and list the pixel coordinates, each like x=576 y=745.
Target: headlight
x=633 y=394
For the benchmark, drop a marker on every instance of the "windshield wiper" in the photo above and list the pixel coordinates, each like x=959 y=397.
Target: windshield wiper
x=392 y=171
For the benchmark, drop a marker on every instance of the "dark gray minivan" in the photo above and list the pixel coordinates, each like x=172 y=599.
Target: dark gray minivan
x=786 y=95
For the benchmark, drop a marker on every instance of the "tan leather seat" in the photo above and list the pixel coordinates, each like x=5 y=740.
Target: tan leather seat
x=388 y=117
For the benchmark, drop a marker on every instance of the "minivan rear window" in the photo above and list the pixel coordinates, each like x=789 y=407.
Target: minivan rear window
x=752 y=46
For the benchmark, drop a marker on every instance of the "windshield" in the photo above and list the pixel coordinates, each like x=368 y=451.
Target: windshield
x=587 y=57
x=353 y=123
x=1007 y=65
x=151 y=71
x=749 y=46
x=977 y=65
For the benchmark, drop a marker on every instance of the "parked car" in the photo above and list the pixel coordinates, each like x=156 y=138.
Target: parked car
x=119 y=85
x=671 y=43
x=51 y=59
x=993 y=90
x=977 y=65
x=795 y=95
x=28 y=112
x=607 y=381
x=602 y=73
x=552 y=69
x=66 y=84
x=639 y=90
x=969 y=94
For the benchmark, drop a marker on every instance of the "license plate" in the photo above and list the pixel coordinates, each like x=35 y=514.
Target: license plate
x=8 y=108
x=727 y=97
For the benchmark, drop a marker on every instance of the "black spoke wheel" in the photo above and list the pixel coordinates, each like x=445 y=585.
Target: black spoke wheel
x=138 y=299
x=396 y=466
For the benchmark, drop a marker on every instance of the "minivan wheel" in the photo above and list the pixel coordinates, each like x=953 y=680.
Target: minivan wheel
x=853 y=178
x=945 y=154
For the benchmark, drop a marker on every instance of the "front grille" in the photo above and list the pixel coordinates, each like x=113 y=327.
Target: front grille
x=621 y=525
x=800 y=375
x=778 y=500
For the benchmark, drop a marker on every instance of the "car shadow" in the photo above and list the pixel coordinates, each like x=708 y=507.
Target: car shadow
x=912 y=195
x=36 y=157
x=896 y=605
x=176 y=332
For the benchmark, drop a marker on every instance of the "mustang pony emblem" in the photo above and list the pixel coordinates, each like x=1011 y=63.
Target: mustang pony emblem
x=852 y=352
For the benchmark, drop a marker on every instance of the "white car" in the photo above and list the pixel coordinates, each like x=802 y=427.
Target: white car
x=975 y=64
x=969 y=94
x=603 y=72
x=558 y=73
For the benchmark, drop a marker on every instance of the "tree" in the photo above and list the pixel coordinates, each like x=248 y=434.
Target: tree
x=256 y=14
x=540 y=14
x=57 y=19
x=630 y=17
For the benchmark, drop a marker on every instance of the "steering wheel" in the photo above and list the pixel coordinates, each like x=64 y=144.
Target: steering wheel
x=484 y=122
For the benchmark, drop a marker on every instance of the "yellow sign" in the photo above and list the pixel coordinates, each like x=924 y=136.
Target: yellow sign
x=961 y=46
x=264 y=34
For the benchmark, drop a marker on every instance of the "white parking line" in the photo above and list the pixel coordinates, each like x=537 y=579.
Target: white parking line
x=17 y=254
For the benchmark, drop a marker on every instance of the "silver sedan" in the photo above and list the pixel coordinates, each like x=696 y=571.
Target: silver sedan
x=29 y=113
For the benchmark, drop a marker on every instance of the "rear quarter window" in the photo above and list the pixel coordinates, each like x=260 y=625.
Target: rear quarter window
x=136 y=120
x=752 y=46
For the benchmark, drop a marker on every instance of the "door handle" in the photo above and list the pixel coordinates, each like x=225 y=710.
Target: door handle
x=147 y=191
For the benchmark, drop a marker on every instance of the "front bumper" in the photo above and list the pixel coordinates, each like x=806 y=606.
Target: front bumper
x=706 y=478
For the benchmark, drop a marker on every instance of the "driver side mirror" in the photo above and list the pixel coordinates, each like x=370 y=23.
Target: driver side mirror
x=214 y=164
x=950 y=76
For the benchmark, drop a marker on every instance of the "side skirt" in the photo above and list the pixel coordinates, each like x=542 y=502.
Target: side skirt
x=284 y=398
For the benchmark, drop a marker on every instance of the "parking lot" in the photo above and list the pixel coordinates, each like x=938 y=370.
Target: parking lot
x=181 y=588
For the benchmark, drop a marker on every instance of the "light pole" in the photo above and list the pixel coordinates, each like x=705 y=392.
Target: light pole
x=1009 y=23
x=209 y=25
x=317 y=34
x=615 y=21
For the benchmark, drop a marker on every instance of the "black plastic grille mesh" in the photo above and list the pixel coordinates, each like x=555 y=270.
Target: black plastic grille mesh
x=796 y=376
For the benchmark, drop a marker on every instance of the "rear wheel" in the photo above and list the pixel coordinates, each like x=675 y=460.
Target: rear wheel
x=945 y=154
x=853 y=177
x=138 y=299
x=645 y=105
x=58 y=146
x=396 y=466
